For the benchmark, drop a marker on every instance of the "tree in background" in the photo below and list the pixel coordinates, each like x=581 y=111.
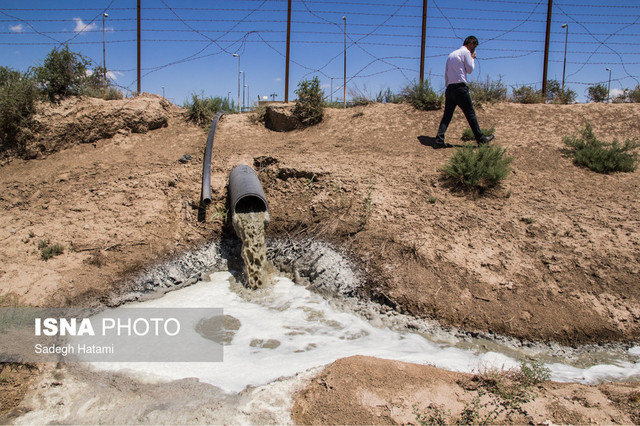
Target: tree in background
x=597 y=93
x=63 y=74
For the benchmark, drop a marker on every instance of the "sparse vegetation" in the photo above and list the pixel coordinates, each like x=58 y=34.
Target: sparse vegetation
x=63 y=73
x=558 y=95
x=527 y=220
x=488 y=91
x=201 y=109
x=48 y=250
x=18 y=95
x=432 y=200
x=309 y=108
x=422 y=96
x=467 y=134
x=498 y=393
x=526 y=95
x=597 y=93
x=634 y=94
x=599 y=156
x=481 y=167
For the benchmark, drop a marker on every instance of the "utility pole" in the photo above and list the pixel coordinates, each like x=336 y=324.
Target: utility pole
x=139 y=50
x=163 y=92
x=424 y=38
x=344 y=88
x=286 y=77
x=104 y=53
x=564 y=63
x=331 y=93
x=243 y=86
x=239 y=72
x=546 y=52
x=273 y=97
x=609 y=86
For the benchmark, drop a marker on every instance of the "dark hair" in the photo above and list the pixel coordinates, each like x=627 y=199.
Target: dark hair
x=469 y=40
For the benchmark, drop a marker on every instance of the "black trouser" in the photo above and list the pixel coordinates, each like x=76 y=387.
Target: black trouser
x=457 y=94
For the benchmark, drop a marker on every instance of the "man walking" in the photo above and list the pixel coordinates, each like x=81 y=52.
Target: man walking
x=459 y=63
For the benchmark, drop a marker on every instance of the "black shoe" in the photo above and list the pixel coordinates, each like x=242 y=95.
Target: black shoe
x=485 y=140
x=439 y=144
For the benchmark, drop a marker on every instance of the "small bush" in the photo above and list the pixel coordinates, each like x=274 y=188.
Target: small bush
x=558 y=95
x=467 y=134
x=597 y=93
x=634 y=94
x=112 y=94
x=480 y=167
x=422 y=96
x=18 y=95
x=48 y=250
x=601 y=157
x=526 y=95
x=388 y=97
x=309 y=107
x=201 y=109
x=488 y=91
x=63 y=73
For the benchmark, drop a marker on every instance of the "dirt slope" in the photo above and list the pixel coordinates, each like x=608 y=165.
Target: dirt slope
x=554 y=254
x=365 y=390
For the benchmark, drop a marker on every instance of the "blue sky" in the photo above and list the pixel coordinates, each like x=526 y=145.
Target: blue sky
x=187 y=46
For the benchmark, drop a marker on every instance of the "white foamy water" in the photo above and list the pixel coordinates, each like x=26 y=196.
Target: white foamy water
x=298 y=330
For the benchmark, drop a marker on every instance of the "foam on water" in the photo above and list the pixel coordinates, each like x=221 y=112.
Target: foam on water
x=250 y=228
x=285 y=329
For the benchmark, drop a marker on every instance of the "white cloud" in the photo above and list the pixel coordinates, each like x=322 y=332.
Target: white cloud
x=16 y=28
x=113 y=75
x=81 y=26
x=615 y=92
x=325 y=86
x=277 y=79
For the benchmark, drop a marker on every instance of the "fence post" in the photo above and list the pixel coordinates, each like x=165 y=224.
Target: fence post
x=546 y=52
x=424 y=35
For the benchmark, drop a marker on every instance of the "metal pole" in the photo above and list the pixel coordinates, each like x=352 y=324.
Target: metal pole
x=424 y=38
x=104 y=53
x=546 y=51
x=243 y=86
x=564 y=64
x=239 y=72
x=248 y=98
x=331 y=93
x=163 y=92
x=609 y=86
x=344 y=88
x=286 y=77
x=139 y=50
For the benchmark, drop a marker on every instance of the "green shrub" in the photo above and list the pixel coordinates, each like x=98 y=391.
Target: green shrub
x=201 y=109
x=388 y=97
x=467 y=134
x=112 y=94
x=558 y=95
x=480 y=167
x=634 y=94
x=48 y=250
x=309 y=107
x=602 y=157
x=18 y=95
x=63 y=73
x=526 y=95
x=422 y=96
x=597 y=93
x=488 y=91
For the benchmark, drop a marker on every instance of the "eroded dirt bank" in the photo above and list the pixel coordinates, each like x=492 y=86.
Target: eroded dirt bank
x=365 y=390
x=552 y=255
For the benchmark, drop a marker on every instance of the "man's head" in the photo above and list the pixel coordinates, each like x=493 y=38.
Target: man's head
x=471 y=43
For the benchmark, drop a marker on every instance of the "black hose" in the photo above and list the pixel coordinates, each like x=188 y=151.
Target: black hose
x=205 y=194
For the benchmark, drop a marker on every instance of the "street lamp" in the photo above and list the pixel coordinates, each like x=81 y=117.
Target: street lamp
x=243 y=86
x=162 y=92
x=331 y=93
x=235 y=55
x=564 y=64
x=344 y=88
x=104 y=52
x=609 y=86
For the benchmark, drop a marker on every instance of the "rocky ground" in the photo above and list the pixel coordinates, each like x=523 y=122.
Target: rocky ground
x=551 y=255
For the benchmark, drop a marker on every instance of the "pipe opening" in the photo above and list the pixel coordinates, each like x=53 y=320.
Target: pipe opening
x=250 y=204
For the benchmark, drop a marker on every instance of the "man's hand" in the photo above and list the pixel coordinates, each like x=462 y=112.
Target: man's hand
x=473 y=55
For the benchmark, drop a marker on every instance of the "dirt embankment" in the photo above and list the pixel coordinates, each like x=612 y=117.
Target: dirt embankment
x=553 y=254
x=365 y=390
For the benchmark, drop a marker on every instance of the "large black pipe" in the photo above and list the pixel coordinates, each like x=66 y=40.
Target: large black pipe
x=245 y=191
x=205 y=193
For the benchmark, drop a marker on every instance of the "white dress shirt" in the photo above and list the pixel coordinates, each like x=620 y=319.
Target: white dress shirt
x=459 y=63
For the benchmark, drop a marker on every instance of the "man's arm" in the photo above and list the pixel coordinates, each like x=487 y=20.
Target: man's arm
x=469 y=63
